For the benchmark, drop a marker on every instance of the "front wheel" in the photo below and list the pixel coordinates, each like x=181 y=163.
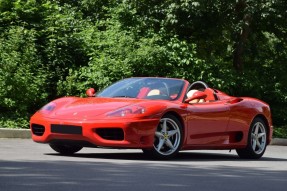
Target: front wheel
x=65 y=149
x=168 y=138
x=257 y=141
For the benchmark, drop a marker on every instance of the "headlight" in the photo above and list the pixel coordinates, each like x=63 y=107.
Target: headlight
x=127 y=111
x=48 y=108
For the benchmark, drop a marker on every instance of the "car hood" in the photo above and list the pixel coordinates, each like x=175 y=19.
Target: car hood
x=89 y=108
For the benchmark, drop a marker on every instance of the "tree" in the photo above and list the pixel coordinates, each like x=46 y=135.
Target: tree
x=54 y=48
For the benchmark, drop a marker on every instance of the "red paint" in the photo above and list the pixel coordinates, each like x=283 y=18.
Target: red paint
x=213 y=124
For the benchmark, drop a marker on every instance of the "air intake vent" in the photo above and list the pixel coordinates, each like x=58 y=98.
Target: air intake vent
x=38 y=129
x=115 y=134
x=66 y=129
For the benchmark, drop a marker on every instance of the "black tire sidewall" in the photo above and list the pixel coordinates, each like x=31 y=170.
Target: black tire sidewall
x=248 y=152
x=65 y=149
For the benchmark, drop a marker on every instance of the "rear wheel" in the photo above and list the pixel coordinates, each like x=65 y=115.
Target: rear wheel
x=168 y=138
x=257 y=141
x=65 y=149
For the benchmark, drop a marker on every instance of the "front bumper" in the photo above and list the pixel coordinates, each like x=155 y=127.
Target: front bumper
x=137 y=133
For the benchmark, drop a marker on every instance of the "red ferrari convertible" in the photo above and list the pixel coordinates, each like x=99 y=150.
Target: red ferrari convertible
x=161 y=116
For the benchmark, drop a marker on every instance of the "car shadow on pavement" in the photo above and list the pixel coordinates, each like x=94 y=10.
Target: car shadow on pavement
x=182 y=156
x=58 y=175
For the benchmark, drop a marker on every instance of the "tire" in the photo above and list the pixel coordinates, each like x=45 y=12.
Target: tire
x=168 y=138
x=65 y=149
x=257 y=141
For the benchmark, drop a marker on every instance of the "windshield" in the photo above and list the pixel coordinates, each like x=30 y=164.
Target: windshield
x=145 y=88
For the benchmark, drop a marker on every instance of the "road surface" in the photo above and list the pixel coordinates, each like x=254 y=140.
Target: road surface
x=28 y=166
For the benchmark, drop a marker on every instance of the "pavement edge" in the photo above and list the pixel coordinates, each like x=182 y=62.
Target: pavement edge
x=15 y=133
x=26 y=134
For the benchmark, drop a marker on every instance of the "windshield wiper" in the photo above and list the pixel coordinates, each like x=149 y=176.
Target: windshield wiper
x=125 y=96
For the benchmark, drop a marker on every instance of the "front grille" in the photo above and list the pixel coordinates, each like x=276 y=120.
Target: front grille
x=37 y=129
x=66 y=129
x=115 y=134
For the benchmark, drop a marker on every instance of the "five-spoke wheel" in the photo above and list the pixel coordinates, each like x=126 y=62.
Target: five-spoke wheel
x=257 y=140
x=168 y=138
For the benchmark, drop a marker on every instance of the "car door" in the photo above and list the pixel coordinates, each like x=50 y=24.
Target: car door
x=207 y=122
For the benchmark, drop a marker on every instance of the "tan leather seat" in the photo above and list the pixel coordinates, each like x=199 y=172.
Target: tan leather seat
x=190 y=94
x=153 y=92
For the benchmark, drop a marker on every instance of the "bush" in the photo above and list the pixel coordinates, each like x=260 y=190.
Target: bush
x=21 y=76
x=280 y=132
x=116 y=54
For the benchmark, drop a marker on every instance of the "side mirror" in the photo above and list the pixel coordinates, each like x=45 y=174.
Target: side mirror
x=91 y=92
x=196 y=95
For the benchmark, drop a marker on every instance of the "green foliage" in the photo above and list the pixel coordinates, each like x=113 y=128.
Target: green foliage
x=21 y=76
x=116 y=54
x=52 y=48
x=280 y=132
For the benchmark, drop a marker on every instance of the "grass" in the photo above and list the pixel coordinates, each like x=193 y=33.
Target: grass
x=14 y=123
x=280 y=132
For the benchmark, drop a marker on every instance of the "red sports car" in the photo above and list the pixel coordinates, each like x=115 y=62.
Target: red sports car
x=161 y=116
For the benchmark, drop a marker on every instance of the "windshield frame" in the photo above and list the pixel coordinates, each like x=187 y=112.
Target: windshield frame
x=131 y=87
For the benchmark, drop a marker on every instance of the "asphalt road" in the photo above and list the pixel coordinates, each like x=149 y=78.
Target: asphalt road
x=28 y=166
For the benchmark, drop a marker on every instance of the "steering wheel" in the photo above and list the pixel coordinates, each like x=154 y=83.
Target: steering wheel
x=198 y=85
x=166 y=88
x=162 y=86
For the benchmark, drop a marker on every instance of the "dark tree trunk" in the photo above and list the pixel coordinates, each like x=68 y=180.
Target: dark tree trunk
x=242 y=36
